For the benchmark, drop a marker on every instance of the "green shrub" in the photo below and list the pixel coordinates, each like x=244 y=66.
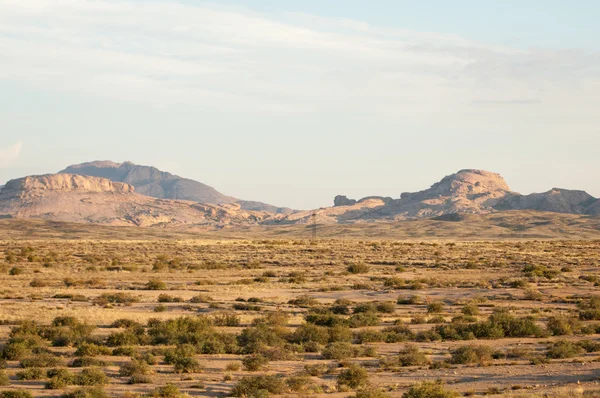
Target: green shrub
x=167 y=391
x=167 y=298
x=93 y=392
x=358 y=268
x=470 y=309
x=340 y=351
x=429 y=390
x=563 y=349
x=15 y=394
x=250 y=386
x=16 y=271
x=90 y=377
x=472 y=353
x=435 y=307
x=372 y=393
x=84 y=362
x=412 y=356
x=59 y=379
x=31 y=374
x=4 y=380
x=156 y=284
x=387 y=307
x=201 y=298
x=134 y=367
x=137 y=378
x=355 y=376
x=298 y=383
x=255 y=362
x=40 y=361
x=91 y=350
x=562 y=326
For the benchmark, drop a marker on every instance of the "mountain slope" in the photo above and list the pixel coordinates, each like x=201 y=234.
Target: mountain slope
x=152 y=182
x=76 y=198
x=468 y=191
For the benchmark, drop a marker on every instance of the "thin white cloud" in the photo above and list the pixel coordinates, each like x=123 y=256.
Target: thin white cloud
x=9 y=154
x=208 y=55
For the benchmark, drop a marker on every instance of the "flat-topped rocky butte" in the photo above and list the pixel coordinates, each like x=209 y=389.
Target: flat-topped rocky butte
x=126 y=194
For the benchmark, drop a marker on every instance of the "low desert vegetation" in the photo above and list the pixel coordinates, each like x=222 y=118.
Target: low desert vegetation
x=256 y=318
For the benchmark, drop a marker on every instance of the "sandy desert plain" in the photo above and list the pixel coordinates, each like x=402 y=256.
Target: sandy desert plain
x=126 y=312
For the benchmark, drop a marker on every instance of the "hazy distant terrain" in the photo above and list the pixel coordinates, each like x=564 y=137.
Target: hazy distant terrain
x=113 y=197
x=159 y=184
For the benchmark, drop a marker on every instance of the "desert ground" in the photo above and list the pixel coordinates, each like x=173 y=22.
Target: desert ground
x=90 y=312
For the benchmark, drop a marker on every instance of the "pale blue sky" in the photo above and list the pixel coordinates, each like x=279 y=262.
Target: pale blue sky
x=292 y=102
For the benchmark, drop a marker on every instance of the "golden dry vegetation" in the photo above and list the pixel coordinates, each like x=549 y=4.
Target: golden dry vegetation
x=168 y=315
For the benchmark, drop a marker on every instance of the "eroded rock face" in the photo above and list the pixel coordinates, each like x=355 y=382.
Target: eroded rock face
x=342 y=200
x=153 y=182
x=67 y=182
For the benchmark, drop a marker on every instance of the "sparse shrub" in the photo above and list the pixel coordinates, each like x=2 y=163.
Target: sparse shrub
x=372 y=393
x=298 y=383
x=340 y=351
x=167 y=391
x=358 y=268
x=201 y=298
x=304 y=301
x=563 y=349
x=386 y=307
x=31 y=374
x=40 y=361
x=156 y=284
x=315 y=370
x=91 y=350
x=412 y=356
x=167 y=298
x=233 y=367
x=87 y=392
x=250 y=386
x=83 y=362
x=561 y=326
x=16 y=271
x=59 y=379
x=435 y=307
x=229 y=319
x=355 y=376
x=4 y=380
x=469 y=354
x=429 y=390
x=16 y=394
x=470 y=309
x=90 y=377
x=255 y=362
x=134 y=367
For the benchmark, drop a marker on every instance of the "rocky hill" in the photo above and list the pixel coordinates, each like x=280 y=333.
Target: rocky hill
x=76 y=198
x=159 y=184
x=115 y=201
x=465 y=192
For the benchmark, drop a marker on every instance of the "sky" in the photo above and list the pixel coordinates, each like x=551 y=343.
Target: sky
x=292 y=102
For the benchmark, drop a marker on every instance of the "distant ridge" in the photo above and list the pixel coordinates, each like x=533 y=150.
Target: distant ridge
x=469 y=191
x=126 y=194
x=153 y=182
x=97 y=200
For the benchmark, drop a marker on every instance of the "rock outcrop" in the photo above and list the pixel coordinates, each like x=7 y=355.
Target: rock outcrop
x=66 y=183
x=468 y=191
x=76 y=198
x=153 y=182
x=342 y=200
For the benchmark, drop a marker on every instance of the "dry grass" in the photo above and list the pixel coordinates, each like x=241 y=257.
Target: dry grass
x=444 y=293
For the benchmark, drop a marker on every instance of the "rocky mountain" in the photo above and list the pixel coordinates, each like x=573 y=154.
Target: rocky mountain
x=116 y=201
x=465 y=192
x=76 y=198
x=159 y=184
